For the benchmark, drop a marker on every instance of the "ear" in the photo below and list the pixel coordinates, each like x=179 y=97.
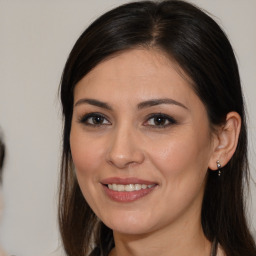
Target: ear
x=225 y=140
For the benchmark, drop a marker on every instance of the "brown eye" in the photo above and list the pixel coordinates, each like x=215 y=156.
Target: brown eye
x=94 y=119
x=160 y=121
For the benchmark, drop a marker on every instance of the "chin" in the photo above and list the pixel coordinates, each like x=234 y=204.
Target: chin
x=131 y=230
x=130 y=224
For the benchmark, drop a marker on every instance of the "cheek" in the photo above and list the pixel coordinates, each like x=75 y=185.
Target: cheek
x=182 y=155
x=183 y=164
x=86 y=153
x=87 y=158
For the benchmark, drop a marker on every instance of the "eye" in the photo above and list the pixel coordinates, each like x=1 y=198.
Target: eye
x=159 y=121
x=94 y=119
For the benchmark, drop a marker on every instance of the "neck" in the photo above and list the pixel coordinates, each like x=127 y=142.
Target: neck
x=184 y=240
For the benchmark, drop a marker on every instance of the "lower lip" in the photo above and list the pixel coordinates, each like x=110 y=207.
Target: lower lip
x=124 y=196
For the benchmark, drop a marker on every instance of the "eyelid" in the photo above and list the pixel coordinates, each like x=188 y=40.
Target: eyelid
x=171 y=120
x=83 y=118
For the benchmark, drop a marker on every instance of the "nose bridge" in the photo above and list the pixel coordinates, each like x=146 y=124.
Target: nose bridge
x=124 y=146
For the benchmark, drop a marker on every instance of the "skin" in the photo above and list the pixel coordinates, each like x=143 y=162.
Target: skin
x=127 y=142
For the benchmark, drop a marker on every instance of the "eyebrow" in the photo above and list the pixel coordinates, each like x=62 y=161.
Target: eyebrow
x=93 y=102
x=144 y=104
x=155 y=102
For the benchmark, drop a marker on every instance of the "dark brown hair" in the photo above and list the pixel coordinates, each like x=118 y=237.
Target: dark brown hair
x=2 y=153
x=199 y=46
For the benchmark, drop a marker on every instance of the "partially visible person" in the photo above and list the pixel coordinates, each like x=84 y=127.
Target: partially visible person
x=2 y=153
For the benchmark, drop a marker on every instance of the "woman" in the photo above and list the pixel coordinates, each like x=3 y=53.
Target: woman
x=154 y=142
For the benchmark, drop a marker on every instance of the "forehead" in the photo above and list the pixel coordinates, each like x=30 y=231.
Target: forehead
x=141 y=73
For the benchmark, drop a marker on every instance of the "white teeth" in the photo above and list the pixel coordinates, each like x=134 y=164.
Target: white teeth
x=129 y=187
x=137 y=187
x=120 y=187
x=114 y=187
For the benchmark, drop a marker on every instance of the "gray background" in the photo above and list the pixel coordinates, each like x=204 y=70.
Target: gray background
x=35 y=39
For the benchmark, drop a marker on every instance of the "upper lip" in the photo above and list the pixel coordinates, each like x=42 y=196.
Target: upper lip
x=126 y=181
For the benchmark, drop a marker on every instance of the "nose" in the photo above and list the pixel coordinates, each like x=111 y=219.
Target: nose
x=125 y=149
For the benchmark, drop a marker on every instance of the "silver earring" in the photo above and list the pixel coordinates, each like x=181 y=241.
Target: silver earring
x=219 y=167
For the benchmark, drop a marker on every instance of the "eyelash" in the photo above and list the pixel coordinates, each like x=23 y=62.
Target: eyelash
x=165 y=118
x=84 y=119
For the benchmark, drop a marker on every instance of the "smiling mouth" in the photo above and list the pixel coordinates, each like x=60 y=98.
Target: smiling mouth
x=129 y=187
x=125 y=193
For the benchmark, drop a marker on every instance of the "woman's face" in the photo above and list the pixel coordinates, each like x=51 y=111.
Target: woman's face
x=141 y=143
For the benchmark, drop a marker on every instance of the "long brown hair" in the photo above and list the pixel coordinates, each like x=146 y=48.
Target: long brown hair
x=196 y=42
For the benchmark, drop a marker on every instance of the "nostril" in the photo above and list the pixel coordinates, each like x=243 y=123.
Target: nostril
x=130 y=158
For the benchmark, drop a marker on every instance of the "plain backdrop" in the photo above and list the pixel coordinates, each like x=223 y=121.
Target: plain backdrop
x=35 y=39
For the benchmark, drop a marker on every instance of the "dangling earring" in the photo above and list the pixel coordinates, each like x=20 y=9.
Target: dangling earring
x=218 y=166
